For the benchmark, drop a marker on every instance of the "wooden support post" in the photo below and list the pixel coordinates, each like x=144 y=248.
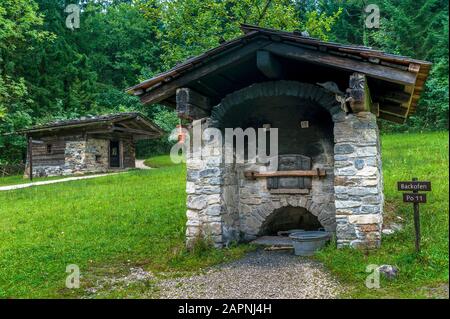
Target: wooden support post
x=192 y=105
x=416 y=220
x=268 y=64
x=30 y=157
x=360 y=100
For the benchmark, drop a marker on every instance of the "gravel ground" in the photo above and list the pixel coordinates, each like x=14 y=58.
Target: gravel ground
x=259 y=275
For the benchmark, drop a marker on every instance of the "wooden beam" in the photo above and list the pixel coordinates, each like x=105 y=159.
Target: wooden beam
x=360 y=99
x=391 y=118
x=394 y=109
x=373 y=70
x=268 y=64
x=293 y=173
x=166 y=90
x=375 y=109
x=394 y=96
x=192 y=105
x=30 y=157
x=132 y=131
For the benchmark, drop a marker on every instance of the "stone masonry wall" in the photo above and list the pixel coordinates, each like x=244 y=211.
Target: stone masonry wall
x=223 y=205
x=358 y=183
x=96 y=155
x=256 y=202
x=209 y=214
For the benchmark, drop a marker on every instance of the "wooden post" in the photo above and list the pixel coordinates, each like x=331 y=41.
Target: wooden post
x=359 y=93
x=416 y=220
x=192 y=105
x=30 y=157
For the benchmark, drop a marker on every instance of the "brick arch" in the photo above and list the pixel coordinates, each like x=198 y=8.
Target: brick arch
x=306 y=91
x=323 y=212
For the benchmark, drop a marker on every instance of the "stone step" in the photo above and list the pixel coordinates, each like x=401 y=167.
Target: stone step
x=277 y=241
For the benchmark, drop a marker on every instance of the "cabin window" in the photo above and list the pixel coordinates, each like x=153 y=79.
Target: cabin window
x=49 y=148
x=98 y=158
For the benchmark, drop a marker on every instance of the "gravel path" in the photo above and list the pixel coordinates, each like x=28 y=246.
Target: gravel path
x=54 y=181
x=259 y=275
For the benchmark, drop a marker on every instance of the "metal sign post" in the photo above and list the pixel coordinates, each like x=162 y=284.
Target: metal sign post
x=415 y=198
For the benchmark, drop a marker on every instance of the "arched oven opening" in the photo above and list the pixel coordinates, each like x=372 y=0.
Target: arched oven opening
x=289 y=218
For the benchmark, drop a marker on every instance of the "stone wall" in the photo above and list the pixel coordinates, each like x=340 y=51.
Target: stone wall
x=257 y=203
x=96 y=155
x=224 y=206
x=358 y=183
x=83 y=155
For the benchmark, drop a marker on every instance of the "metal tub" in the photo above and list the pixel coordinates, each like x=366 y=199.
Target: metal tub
x=307 y=242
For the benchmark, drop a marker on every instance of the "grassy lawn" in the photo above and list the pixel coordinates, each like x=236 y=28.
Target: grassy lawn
x=136 y=219
x=104 y=225
x=159 y=161
x=421 y=275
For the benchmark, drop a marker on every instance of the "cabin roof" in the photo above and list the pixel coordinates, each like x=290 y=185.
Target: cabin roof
x=134 y=123
x=403 y=77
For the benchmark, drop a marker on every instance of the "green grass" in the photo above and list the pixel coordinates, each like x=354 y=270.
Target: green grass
x=405 y=156
x=107 y=224
x=159 y=161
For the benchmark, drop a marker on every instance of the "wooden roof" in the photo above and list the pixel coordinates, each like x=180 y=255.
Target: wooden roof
x=397 y=81
x=133 y=123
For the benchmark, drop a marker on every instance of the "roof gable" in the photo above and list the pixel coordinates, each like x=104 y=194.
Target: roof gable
x=233 y=65
x=130 y=122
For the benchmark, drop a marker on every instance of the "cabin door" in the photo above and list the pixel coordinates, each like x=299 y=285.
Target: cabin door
x=114 y=154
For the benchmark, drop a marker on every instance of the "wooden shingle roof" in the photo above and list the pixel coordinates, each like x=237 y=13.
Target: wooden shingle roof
x=132 y=122
x=398 y=80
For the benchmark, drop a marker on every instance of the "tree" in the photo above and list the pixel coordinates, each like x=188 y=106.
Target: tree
x=18 y=22
x=189 y=27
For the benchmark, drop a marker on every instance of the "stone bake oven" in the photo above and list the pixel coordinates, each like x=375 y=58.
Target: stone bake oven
x=325 y=99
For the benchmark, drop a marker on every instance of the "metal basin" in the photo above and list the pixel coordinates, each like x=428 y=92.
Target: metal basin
x=307 y=242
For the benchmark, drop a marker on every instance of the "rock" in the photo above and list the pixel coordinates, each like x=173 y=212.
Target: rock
x=396 y=227
x=388 y=271
x=388 y=231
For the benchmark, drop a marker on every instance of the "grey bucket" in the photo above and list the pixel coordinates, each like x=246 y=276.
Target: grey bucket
x=307 y=242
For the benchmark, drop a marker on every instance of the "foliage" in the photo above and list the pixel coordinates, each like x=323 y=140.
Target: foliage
x=189 y=27
x=48 y=71
x=418 y=29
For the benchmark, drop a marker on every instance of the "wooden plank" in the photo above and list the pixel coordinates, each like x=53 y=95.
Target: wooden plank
x=192 y=105
x=394 y=96
x=311 y=173
x=392 y=118
x=268 y=64
x=132 y=131
x=166 y=90
x=373 y=70
x=30 y=156
x=394 y=109
x=359 y=92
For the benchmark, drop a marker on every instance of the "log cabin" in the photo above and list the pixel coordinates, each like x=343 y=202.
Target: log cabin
x=86 y=145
